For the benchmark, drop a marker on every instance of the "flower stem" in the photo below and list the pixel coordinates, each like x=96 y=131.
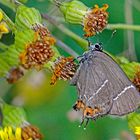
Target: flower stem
x=9 y=22
x=82 y=42
x=3 y=46
x=123 y=27
x=66 y=48
x=8 y=3
x=12 y=4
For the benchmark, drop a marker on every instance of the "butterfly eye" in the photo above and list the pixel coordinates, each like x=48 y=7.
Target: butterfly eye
x=97 y=46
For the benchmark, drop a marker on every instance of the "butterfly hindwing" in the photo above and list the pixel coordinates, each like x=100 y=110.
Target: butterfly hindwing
x=126 y=98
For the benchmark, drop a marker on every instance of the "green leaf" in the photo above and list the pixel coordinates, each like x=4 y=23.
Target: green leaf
x=122 y=60
x=4 y=66
x=130 y=69
x=26 y=17
x=22 y=38
x=12 y=56
x=133 y=120
x=74 y=11
x=13 y=116
x=23 y=1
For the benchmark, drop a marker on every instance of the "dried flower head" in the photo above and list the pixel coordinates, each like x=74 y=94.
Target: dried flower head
x=36 y=54
x=14 y=74
x=42 y=31
x=136 y=79
x=30 y=131
x=39 y=51
x=95 y=20
x=64 y=68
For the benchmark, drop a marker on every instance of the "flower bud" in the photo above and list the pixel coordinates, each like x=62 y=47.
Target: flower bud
x=73 y=11
x=93 y=20
x=26 y=17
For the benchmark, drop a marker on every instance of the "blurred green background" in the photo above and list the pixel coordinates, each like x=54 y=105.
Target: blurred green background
x=50 y=107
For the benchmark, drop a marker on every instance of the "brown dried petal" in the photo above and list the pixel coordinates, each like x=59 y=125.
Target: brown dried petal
x=30 y=131
x=136 y=80
x=42 y=31
x=64 y=68
x=14 y=74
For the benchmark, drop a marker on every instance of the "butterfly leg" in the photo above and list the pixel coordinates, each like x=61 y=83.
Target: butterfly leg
x=83 y=118
x=87 y=121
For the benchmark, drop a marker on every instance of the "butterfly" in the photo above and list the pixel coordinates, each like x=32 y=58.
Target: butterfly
x=103 y=88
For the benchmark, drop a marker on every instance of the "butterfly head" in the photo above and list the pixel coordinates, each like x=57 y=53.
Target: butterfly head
x=95 y=47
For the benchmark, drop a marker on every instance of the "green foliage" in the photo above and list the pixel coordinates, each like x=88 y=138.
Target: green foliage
x=26 y=17
x=73 y=11
x=11 y=56
x=4 y=67
x=8 y=58
x=24 y=1
x=22 y=38
x=13 y=116
x=47 y=106
x=133 y=121
x=130 y=69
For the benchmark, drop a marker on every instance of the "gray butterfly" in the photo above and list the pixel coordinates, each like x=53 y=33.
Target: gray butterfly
x=103 y=87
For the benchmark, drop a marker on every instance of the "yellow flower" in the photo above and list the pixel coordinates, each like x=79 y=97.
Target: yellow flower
x=137 y=132
x=8 y=134
x=3 y=28
x=1 y=16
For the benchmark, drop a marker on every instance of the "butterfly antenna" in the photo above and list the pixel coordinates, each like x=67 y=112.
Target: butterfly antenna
x=112 y=35
x=89 y=42
x=57 y=3
x=98 y=36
